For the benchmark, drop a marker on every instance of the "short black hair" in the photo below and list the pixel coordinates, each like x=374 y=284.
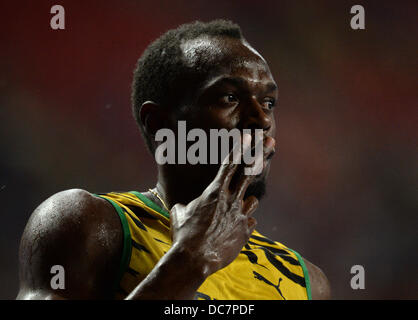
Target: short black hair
x=161 y=69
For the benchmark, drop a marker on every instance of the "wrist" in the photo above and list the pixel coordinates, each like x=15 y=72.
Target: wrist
x=191 y=261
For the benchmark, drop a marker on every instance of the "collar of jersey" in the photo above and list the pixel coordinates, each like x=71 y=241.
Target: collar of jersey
x=151 y=204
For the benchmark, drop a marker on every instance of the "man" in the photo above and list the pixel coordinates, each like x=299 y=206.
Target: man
x=192 y=236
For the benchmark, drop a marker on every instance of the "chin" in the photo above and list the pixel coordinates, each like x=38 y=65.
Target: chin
x=257 y=188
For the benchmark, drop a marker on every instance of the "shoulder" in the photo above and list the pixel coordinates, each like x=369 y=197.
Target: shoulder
x=70 y=211
x=69 y=202
x=77 y=230
x=320 y=286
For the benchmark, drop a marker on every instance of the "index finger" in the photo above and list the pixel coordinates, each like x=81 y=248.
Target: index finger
x=232 y=161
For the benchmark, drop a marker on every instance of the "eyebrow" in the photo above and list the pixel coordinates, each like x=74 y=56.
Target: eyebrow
x=237 y=81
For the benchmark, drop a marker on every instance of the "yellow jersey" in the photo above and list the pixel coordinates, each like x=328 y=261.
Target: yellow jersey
x=263 y=270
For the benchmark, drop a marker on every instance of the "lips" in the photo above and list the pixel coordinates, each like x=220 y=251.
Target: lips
x=271 y=154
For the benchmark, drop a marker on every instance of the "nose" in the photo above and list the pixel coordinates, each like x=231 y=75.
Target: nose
x=255 y=116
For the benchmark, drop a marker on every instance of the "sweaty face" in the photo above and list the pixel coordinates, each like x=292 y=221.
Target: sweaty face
x=238 y=92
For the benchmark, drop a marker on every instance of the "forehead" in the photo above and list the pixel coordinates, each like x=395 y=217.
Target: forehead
x=223 y=56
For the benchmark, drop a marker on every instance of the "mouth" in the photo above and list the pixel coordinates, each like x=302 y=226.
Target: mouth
x=266 y=164
x=266 y=158
x=271 y=154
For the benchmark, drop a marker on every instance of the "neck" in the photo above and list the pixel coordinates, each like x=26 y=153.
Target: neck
x=181 y=185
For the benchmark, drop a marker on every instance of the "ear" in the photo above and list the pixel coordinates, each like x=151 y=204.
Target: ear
x=152 y=116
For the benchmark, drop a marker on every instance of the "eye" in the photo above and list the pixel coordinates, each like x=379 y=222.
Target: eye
x=229 y=99
x=269 y=103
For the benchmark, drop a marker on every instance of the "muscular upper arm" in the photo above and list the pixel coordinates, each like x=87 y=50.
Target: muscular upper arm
x=320 y=286
x=79 y=232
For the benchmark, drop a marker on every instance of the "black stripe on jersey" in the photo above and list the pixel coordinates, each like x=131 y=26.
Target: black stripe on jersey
x=132 y=271
x=138 y=246
x=281 y=253
x=279 y=266
x=290 y=260
x=202 y=296
x=272 y=249
x=252 y=257
x=162 y=241
x=263 y=239
x=138 y=223
x=140 y=213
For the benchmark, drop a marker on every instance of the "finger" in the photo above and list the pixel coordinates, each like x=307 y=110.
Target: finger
x=252 y=223
x=249 y=206
x=246 y=179
x=232 y=161
x=243 y=185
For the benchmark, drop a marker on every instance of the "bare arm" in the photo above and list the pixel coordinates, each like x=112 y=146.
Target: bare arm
x=79 y=232
x=83 y=234
x=320 y=286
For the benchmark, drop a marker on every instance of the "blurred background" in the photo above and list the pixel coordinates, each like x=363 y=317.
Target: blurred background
x=343 y=187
